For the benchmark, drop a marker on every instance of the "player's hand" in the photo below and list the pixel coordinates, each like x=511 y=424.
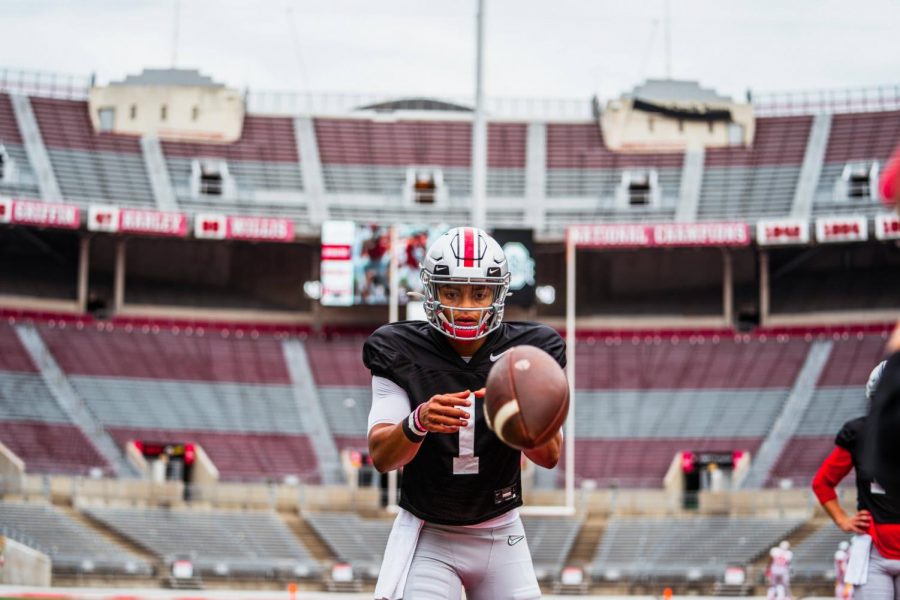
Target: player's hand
x=858 y=523
x=441 y=414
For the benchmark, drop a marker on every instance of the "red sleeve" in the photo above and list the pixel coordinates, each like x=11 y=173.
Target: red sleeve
x=833 y=469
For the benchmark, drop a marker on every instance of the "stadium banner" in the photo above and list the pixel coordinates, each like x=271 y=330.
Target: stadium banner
x=336 y=267
x=112 y=219
x=39 y=214
x=210 y=227
x=830 y=230
x=252 y=229
x=887 y=227
x=518 y=246
x=151 y=222
x=103 y=218
x=660 y=235
x=779 y=232
x=371 y=260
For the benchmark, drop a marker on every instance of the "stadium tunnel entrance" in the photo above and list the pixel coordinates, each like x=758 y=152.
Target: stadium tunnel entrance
x=693 y=472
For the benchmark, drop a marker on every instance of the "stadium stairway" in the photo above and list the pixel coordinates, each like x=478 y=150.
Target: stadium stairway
x=691 y=181
x=158 y=174
x=586 y=543
x=814 y=555
x=796 y=537
x=308 y=537
x=110 y=535
x=309 y=405
x=811 y=169
x=37 y=152
x=71 y=403
x=311 y=167
x=787 y=422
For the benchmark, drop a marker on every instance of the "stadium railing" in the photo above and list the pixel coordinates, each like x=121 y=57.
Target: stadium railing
x=765 y=103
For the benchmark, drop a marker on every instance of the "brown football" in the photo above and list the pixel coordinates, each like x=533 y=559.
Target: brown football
x=526 y=398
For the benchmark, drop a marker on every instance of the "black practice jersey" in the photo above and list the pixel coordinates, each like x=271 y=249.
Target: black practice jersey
x=882 y=456
x=869 y=495
x=449 y=482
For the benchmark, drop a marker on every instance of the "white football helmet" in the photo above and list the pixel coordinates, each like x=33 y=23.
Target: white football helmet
x=874 y=378
x=465 y=256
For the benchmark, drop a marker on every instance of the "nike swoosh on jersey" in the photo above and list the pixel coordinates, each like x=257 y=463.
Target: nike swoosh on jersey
x=514 y=539
x=497 y=357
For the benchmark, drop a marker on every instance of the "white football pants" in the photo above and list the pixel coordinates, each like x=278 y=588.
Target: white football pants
x=492 y=564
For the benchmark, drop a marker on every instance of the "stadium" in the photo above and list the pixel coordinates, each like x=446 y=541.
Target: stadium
x=188 y=273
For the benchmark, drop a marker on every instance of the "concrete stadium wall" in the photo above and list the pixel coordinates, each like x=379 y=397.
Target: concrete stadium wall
x=23 y=565
x=12 y=469
x=283 y=497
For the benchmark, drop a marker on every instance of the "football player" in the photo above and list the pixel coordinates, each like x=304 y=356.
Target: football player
x=842 y=590
x=779 y=571
x=458 y=525
x=879 y=512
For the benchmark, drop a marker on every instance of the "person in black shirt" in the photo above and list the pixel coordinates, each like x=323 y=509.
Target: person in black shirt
x=881 y=455
x=458 y=525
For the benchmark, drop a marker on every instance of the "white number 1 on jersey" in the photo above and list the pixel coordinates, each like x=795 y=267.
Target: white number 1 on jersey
x=467 y=463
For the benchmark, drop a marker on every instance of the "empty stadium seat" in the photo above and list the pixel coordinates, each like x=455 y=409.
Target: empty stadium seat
x=154 y=353
x=91 y=167
x=856 y=137
x=685 y=548
x=25 y=183
x=13 y=356
x=814 y=556
x=839 y=397
x=704 y=362
x=751 y=183
x=32 y=424
x=550 y=539
x=231 y=395
x=582 y=175
x=367 y=156
x=52 y=448
x=71 y=546
x=264 y=163
x=360 y=542
x=643 y=463
x=220 y=543
x=347 y=412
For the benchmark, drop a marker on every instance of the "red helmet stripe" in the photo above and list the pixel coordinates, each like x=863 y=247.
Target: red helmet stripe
x=469 y=248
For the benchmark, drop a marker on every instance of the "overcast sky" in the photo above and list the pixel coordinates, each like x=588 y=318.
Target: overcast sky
x=534 y=48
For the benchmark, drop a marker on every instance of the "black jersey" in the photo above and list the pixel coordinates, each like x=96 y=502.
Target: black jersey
x=449 y=483
x=882 y=456
x=869 y=494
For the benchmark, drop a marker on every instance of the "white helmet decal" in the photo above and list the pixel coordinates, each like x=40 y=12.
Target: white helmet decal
x=465 y=256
